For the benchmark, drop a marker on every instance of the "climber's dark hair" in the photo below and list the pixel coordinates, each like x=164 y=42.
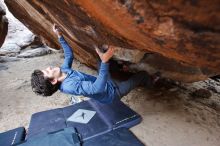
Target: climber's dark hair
x=41 y=85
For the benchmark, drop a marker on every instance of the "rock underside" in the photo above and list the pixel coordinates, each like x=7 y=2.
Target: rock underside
x=3 y=25
x=179 y=38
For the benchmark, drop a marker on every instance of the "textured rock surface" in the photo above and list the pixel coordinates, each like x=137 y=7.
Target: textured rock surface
x=183 y=35
x=34 y=52
x=3 y=24
x=18 y=36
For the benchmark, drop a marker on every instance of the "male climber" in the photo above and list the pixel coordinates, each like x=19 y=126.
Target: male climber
x=102 y=88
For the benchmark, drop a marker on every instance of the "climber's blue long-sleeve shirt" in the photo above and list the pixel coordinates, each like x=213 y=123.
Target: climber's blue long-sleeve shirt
x=78 y=83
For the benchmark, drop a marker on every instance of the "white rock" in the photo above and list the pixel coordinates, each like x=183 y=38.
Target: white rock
x=8 y=59
x=18 y=35
x=34 y=53
x=10 y=48
x=124 y=54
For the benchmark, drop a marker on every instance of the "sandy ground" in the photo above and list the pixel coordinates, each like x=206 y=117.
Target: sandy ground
x=170 y=117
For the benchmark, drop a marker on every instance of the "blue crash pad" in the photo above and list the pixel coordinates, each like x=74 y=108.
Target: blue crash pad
x=67 y=137
x=118 y=137
x=107 y=118
x=12 y=136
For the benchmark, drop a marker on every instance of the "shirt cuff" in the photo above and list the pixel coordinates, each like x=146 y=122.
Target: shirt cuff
x=61 y=39
x=104 y=65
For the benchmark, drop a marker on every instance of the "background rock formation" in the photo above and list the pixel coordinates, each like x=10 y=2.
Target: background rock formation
x=178 y=37
x=3 y=24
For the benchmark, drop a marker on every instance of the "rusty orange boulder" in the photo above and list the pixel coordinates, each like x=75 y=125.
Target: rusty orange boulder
x=177 y=37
